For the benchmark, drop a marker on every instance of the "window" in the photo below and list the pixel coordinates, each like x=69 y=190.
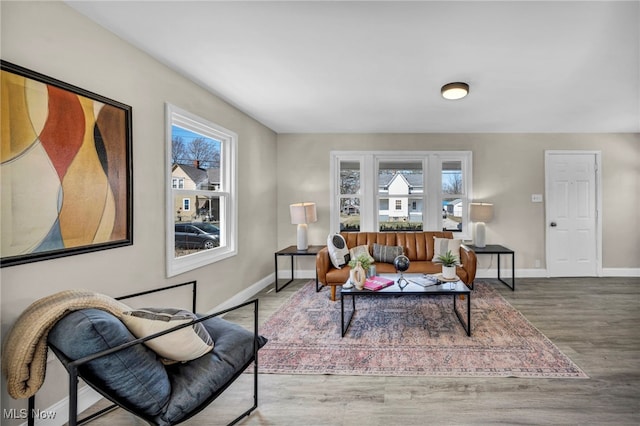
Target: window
x=349 y=195
x=177 y=183
x=201 y=198
x=412 y=191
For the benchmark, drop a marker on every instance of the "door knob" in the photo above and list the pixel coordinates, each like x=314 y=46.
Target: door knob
x=553 y=224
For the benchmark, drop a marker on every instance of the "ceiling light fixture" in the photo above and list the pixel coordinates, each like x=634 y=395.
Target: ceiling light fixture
x=455 y=90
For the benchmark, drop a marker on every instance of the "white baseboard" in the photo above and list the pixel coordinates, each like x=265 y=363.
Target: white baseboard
x=506 y=273
x=245 y=294
x=297 y=274
x=621 y=272
x=542 y=273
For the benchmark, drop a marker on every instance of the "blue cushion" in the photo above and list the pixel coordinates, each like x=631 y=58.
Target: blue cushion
x=133 y=377
x=193 y=383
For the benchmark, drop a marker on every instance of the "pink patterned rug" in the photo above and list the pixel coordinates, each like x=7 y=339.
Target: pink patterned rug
x=409 y=336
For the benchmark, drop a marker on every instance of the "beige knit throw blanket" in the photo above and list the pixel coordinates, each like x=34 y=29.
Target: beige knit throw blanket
x=24 y=352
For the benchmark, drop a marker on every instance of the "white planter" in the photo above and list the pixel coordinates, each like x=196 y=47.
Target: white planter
x=449 y=272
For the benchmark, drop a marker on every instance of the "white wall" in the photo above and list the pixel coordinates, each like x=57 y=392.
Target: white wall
x=507 y=169
x=53 y=39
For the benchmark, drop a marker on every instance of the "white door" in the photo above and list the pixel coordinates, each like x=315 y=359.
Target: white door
x=572 y=224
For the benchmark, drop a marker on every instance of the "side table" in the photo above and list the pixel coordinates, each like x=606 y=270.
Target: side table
x=293 y=251
x=498 y=250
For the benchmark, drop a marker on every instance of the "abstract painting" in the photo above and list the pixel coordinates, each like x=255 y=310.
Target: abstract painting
x=66 y=169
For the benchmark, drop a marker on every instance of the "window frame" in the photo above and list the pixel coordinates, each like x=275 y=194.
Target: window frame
x=432 y=194
x=227 y=192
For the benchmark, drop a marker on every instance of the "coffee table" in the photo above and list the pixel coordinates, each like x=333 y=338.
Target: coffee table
x=452 y=289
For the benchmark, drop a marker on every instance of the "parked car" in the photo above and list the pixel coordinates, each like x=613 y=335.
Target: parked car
x=196 y=235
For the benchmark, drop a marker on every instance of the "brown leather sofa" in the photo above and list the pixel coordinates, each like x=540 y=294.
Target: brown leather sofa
x=418 y=247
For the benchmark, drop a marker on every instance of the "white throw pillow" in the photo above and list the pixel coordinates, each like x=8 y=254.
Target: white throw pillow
x=443 y=245
x=182 y=345
x=338 y=250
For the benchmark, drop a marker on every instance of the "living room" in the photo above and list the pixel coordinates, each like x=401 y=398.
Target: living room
x=54 y=39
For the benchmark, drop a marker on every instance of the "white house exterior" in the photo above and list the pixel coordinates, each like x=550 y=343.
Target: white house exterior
x=396 y=203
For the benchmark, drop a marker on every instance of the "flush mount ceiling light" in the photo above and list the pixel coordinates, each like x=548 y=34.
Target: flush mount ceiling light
x=455 y=90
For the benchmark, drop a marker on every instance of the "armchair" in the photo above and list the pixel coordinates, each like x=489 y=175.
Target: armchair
x=94 y=345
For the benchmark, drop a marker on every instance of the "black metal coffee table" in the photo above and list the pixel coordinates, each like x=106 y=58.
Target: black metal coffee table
x=454 y=289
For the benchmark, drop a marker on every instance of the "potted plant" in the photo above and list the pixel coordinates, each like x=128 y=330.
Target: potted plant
x=449 y=262
x=364 y=259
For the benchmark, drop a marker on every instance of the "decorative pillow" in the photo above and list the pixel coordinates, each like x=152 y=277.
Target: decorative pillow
x=182 y=345
x=357 y=251
x=443 y=245
x=338 y=251
x=386 y=254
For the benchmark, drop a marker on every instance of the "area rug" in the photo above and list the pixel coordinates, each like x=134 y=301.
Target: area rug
x=409 y=336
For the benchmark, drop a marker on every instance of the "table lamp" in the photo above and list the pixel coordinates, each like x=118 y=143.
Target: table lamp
x=301 y=215
x=480 y=213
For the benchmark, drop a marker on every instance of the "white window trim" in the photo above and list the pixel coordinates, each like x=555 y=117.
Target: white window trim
x=432 y=160
x=229 y=205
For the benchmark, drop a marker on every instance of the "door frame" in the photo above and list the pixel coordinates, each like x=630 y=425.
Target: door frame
x=598 y=202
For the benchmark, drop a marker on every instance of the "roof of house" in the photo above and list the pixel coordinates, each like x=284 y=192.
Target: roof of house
x=197 y=175
x=415 y=180
x=200 y=176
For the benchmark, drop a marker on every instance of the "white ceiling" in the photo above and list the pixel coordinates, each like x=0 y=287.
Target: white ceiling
x=378 y=66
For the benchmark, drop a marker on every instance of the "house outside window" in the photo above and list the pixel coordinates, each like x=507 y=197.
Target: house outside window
x=201 y=191
x=427 y=190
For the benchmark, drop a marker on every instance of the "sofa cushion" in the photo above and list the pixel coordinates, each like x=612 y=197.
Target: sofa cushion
x=443 y=245
x=181 y=345
x=338 y=250
x=359 y=250
x=386 y=254
x=134 y=377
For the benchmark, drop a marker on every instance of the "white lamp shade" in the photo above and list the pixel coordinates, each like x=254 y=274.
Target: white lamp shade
x=303 y=213
x=481 y=212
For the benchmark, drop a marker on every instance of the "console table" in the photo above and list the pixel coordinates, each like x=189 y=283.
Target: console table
x=498 y=250
x=292 y=251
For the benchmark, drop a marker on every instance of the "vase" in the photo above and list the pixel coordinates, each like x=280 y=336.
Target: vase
x=448 y=272
x=357 y=276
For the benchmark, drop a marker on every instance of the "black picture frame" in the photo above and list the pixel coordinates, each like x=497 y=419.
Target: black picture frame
x=67 y=169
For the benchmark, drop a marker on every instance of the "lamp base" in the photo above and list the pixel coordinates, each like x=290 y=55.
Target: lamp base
x=480 y=240
x=302 y=237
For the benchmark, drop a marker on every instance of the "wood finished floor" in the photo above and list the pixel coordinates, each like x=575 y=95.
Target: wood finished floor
x=593 y=321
